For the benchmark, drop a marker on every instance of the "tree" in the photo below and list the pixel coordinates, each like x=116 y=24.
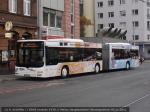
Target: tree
x=84 y=22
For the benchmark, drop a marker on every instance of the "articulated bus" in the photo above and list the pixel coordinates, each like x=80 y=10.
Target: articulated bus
x=120 y=56
x=57 y=57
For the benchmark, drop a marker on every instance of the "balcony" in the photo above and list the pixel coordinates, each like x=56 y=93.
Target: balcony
x=148 y=16
x=148 y=4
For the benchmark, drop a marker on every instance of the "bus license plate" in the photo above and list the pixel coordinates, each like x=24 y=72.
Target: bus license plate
x=26 y=75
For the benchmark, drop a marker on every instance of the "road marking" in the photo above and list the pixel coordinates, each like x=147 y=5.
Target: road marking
x=53 y=84
x=138 y=100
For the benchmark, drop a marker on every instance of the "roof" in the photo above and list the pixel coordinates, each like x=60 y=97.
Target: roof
x=103 y=40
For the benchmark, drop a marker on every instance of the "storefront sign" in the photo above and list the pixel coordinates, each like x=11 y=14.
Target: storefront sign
x=8 y=25
x=8 y=35
x=4 y=56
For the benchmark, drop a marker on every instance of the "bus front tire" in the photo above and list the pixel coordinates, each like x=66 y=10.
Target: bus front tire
x=64 y=72
x=97 y=68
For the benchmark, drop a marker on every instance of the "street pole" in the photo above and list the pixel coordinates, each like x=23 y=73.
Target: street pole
x=99 y=35
x=133 y=32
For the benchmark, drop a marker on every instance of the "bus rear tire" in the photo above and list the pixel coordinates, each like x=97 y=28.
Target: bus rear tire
x=64 y=72
x=128 y=66
x=97 y=68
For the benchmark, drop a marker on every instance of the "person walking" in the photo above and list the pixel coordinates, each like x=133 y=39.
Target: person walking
x=141 y=59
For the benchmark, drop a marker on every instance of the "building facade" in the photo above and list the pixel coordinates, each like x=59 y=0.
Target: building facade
x=18 y=19
x=72 y=19
x=59 y=18
x=87 y=10
x=35 y=19
x=130 y=15
x=51 y=18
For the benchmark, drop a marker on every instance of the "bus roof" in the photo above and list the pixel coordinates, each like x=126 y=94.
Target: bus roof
x=118 y=43
x=33 y=40
x=53 y=40
x=65 y=40
x=66 y=43
x=71 y=43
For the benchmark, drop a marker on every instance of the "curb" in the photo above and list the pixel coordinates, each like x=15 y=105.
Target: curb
x=147 y=61
x=7 y=79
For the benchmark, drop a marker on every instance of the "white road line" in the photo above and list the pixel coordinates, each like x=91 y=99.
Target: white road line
x=138 y=100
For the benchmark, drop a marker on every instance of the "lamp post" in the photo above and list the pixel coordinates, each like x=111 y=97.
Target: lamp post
x=99 y=35
x=133 y=25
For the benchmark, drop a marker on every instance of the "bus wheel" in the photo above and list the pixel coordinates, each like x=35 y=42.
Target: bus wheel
x=64 y=72
x=128 y=66
x=97 y=68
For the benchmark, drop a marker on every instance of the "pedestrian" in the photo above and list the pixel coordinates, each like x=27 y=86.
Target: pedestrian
x=141 y=59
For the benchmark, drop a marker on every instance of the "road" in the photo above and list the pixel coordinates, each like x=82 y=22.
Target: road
x=112 y=89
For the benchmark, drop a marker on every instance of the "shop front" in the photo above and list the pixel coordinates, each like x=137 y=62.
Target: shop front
x=9 y=36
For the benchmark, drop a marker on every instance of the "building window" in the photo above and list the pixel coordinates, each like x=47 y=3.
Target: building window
x=81 y=7
x=148 y=25
x=148 y=3
x=52 y=18
x=135 y=24
x=148 y=13
x=111 y=25
x=13 y=6
x=135 y=1
x=148 y=37
x=122 y=24
x=135 y=12
x=72 y=18
x=110 y=3
x=135 y=37
x=100 y=15
x=148 y=51
x=100 y=4
x=72 y=29
x=110 y=14
x=72 y=11
x=100 y=26
x=59 y=19
x=27 y=7
x=122 y=2
x=45 y=17
x=123 y=13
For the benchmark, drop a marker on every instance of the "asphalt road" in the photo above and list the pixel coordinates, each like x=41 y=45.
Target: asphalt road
x=112 y=89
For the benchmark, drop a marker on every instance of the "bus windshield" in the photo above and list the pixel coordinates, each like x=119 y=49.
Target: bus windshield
x=30 y=54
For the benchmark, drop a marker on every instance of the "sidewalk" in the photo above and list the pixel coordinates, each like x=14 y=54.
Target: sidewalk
x=8 y=77
x=147 y=61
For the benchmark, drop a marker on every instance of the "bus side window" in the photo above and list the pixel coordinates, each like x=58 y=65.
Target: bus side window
x=51 y=56
x=98 y=55
x=112 y=57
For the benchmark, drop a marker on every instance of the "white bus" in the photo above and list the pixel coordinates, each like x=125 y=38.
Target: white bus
x=57 y=57
x=120 y=56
